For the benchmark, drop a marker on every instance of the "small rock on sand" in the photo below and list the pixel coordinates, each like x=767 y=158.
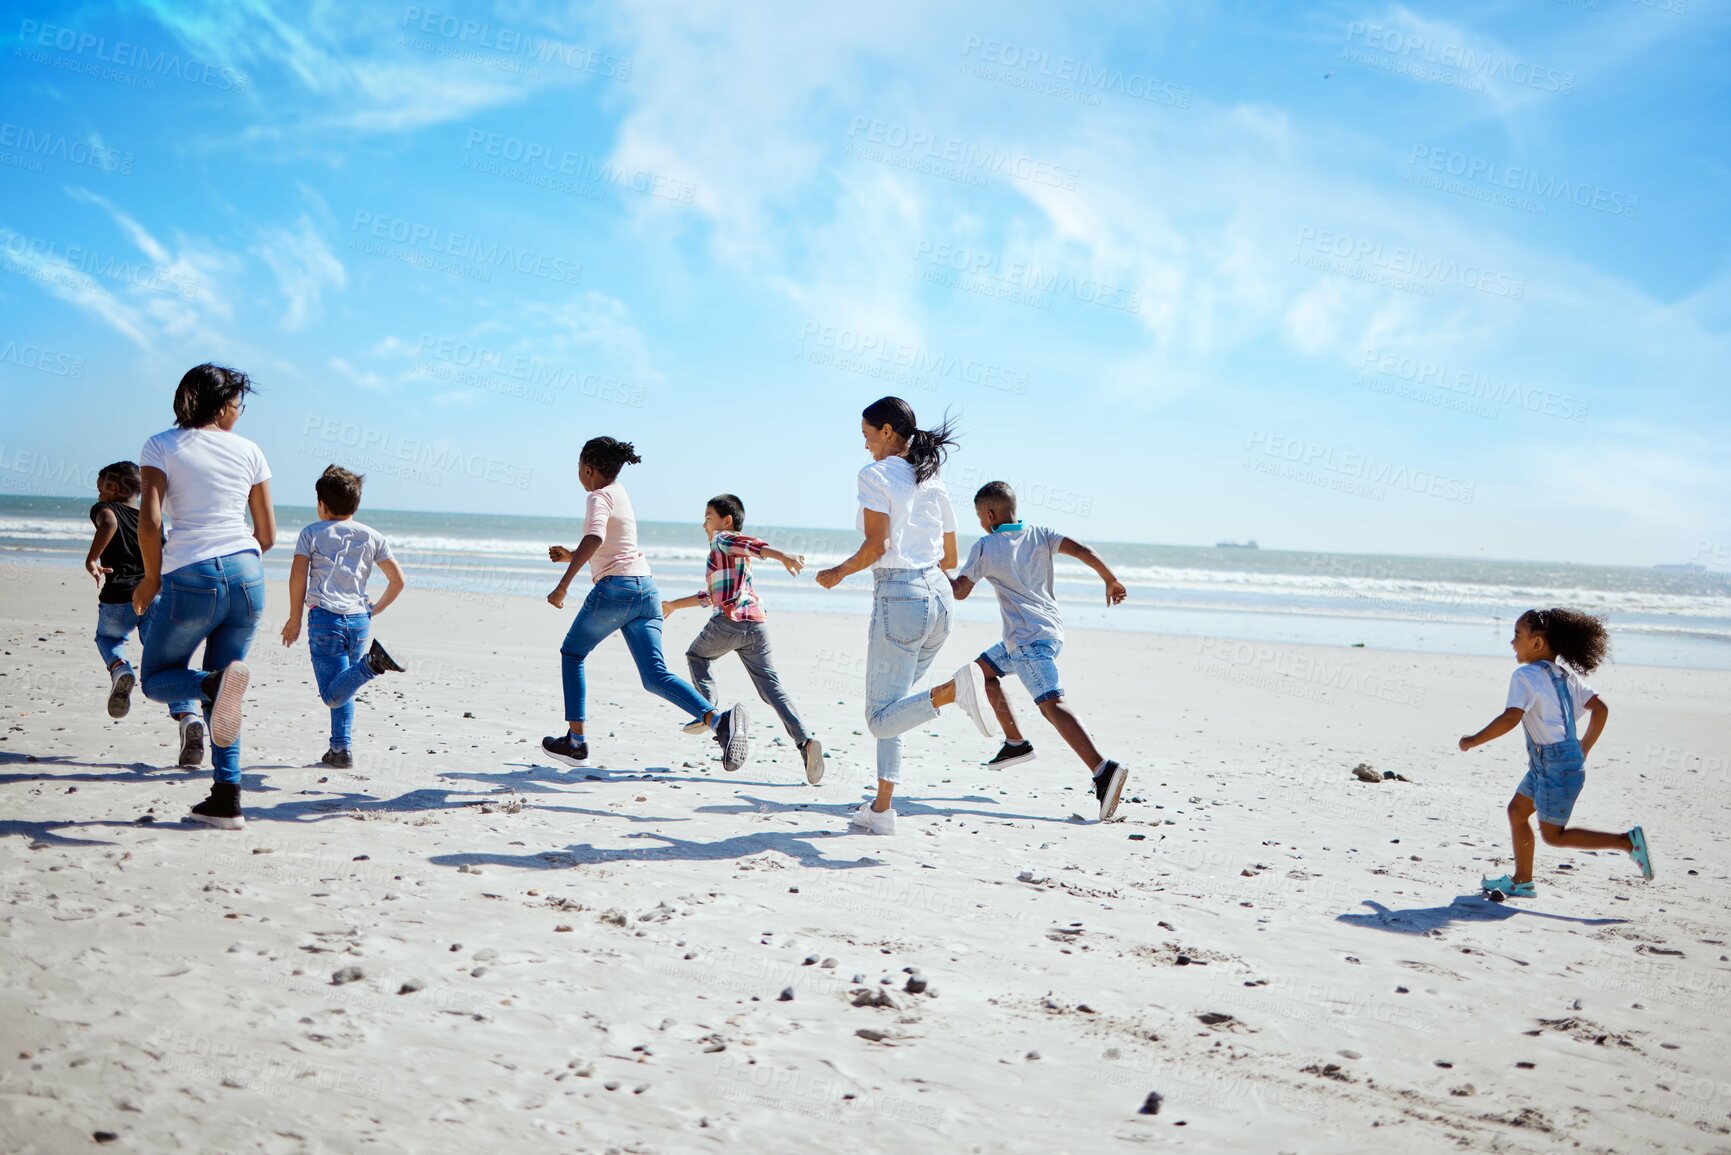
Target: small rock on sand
x=347 y=975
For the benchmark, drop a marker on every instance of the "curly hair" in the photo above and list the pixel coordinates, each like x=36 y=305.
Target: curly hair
x=1578 y=638
x=608 y=455
x=123 y=475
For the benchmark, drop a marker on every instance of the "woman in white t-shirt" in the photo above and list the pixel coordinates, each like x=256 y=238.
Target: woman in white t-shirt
x=210 y=570
x=910 y=539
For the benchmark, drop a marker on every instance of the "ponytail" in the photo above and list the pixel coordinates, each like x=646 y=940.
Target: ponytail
x=608 y=455
x=1578 y=638
x=927 y=448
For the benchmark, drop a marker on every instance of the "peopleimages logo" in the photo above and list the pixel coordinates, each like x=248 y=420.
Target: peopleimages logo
x=1479 y=170
x=1073 y=70
x=952 y=150
x=35 y=34
x=465 y=247
x=53 y=146
x=508 y=41
x=1411 y=262
x=1481 y=65
x=1016 y=275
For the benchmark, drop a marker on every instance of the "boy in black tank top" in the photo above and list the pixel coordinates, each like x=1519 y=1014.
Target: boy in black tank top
x=114 y=555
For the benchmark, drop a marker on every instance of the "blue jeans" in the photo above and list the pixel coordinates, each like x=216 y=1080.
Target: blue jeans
x=113 y=624
x=911 y=614
x=632 y=606
x=1036 y=663
x=337 y=643
x=217 y=602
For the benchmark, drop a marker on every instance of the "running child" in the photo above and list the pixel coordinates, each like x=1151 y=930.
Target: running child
x=334 y=559
x=736 y=623
x=1017 y=559
x=114 y=555
x=623 y=599
x=1545 y=697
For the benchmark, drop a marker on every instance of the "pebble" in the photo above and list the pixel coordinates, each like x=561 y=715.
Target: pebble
x=410 y=986
x=786 y=995
x=1032 y=1056
x=916 y=985
x=870 y=1035
x=347 y=975
x=1151 y=1105
x=828 y=964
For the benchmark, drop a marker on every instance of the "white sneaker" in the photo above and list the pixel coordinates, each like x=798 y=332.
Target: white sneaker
x=971 y=697
x=191 y=742
x=871 y=821
x=120 y=683
x=812 y=751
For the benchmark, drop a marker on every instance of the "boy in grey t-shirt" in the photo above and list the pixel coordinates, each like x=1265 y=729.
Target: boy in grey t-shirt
x=334 y=558
x=1017 y=559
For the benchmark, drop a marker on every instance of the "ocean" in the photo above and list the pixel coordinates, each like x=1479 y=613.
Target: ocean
x=1663 y=617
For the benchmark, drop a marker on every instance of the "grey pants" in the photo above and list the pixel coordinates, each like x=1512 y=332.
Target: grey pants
x=750 y=640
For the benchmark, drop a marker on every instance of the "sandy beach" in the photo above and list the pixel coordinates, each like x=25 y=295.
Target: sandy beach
x=456 y=947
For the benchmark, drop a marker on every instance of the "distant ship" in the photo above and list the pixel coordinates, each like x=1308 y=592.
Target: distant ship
x=1251 y=544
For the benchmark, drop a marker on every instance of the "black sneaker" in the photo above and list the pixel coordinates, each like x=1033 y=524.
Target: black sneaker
x=1108 y=787
x=568 y=748
x=381 y=662
x=733 y=734
x=221 y=809
x=1011 y=754
x=120 y=691
x=191 y=742
x=337 y=759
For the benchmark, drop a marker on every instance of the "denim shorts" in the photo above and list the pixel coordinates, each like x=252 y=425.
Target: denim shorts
x=1036 y=663
x=1554 y=779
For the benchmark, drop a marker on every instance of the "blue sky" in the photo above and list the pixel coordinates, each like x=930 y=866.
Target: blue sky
x=1365 y=277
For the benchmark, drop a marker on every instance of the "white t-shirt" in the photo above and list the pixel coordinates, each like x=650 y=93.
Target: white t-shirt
x=210 y=475
x=608 y=515
x=1531 y=689
x=919 y=514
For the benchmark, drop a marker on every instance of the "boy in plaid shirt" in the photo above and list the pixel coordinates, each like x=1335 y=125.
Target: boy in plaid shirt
x=736 y=624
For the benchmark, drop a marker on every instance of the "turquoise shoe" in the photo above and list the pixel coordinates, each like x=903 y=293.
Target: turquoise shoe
x=1507 y=885
x=1639 y=852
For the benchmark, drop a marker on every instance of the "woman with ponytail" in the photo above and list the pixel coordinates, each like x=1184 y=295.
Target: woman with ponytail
x=910 y=539
x=623 y=599
x=1545 y=697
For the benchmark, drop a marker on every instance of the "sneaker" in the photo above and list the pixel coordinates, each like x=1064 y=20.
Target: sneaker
x=812 y=750
x=226 y=703
x=873 y=821
x=567 y=748
x=221 y=809
x=1639 y=852
x=120 y=691
x=1109 y=787
x=696 y=726
x=191 y=742
x=337 y=759
x=971 y=697
x=733 y=734
x=1506 y=885
x=381 y=662
x=1011 y=754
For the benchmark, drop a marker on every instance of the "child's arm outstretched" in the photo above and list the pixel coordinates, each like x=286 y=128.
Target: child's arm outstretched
x=1498 y=726
x=578 y=558
x=106 y=527
x=741 y=545
x=667 y=608
x=291 y=630
x=1115 y=591
x=395 y=584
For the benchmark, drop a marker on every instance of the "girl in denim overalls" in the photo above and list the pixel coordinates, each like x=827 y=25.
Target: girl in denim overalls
x=1555 y=770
